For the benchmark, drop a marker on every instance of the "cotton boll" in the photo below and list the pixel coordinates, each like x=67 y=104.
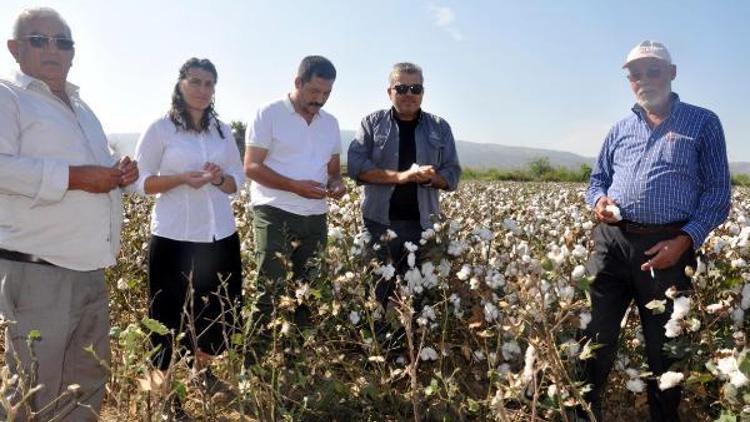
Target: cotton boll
x=635 y=385
x=745 y=303
x=578 y=272
x=428 y=353
x=510 y=349
x=584 y=318
x=464 y=273
x=670 y=379
x=615 y=210
x=490 y=312
x=386 y=271
x=673 y=328
x=681 y=307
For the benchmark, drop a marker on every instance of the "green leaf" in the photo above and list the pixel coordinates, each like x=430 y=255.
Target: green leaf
x=745 y=364
x=547 y=264
x=115 y=332
x=316 y=293
x=238 y=339
x=155 y=326
x=727 y=416
x=180 y=389
x=588 y=350
x=584 y=283
x=474 y=405
x=699 y=378
x=34 y=335
x=657 y=306
x=433 y=388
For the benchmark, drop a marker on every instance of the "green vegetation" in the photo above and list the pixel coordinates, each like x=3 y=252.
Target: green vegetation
x=741 y=179
x=537 y=170
x=540 y=170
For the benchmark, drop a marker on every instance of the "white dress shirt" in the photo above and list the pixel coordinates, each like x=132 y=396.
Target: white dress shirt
x=184 y=213
x=40 y=137
x=295 y=150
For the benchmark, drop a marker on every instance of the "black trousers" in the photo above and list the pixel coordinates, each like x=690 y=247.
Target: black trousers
x=214 y=271
x=619 y=280
x=393 y=251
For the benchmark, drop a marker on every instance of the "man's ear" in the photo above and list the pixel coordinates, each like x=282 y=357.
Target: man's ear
x=298 y=82
x=674 y=72
x=13 y=48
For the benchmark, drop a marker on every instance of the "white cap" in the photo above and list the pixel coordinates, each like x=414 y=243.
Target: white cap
x=648 y=48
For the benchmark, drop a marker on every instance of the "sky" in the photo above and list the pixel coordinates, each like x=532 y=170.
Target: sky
x=544 y=74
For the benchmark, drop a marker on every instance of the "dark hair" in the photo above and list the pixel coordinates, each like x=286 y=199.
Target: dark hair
x=179 y=115
x=319 y=66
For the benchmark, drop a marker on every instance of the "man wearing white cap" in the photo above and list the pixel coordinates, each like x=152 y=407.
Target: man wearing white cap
x=660 y=185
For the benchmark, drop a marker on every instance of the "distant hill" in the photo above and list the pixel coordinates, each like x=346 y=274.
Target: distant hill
x=471 y=154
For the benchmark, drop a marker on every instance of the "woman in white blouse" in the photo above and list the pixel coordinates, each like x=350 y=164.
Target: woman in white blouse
x=190 y=161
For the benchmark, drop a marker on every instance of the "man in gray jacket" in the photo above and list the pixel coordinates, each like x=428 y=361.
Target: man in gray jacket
x=403 y=156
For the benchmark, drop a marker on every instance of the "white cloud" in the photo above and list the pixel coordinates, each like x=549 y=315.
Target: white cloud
x=444 y=18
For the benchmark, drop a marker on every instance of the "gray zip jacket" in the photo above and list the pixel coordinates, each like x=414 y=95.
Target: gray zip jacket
x=376 y=146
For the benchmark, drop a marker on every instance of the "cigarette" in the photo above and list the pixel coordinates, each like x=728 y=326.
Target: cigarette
x=652 y=273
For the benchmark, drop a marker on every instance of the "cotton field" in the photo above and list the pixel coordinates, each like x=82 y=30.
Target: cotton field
x=487 y=327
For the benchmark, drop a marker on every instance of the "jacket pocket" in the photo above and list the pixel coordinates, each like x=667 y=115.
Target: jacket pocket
x=379 y=143
x=435 y=149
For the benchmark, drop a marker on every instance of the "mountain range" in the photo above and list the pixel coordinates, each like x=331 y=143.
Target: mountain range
x=473 y=155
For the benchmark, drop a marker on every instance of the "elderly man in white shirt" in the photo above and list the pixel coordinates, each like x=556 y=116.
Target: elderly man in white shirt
x=60 y=218
x=292 y=158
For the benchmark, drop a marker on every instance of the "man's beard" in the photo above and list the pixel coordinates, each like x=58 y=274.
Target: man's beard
x=652 y=99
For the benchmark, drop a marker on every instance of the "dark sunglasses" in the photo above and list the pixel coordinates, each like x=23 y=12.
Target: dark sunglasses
x=415 y=89
x=42 y=41
x=653 y=73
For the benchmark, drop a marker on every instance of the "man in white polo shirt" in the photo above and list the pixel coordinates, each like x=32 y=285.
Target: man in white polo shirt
x=293 y=161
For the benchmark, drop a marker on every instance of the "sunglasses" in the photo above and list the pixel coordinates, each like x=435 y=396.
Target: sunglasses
x=652 y=73
x=42 y=41
x=415 y=89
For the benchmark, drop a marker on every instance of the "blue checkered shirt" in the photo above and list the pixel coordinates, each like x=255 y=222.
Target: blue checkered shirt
x=677 y=171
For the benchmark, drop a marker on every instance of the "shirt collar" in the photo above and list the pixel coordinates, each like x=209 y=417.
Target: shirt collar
x=290 y=107
x=641 y=112
x=25 y=81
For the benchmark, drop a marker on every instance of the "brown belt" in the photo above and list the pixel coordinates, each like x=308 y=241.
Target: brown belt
x=639 y=228
x=22 y=257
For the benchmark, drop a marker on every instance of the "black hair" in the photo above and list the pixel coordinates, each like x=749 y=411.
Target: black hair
x=178 y=113
x=319 y=66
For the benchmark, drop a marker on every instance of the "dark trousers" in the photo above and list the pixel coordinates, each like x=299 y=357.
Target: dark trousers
x=393 y=251
x=619 y=280
x=281 y=238
x=211 y=314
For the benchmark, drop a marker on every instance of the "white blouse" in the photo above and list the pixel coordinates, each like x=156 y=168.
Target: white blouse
x=184 y=213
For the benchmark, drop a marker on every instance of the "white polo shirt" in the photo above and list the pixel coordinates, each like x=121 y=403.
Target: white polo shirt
x=295 y=150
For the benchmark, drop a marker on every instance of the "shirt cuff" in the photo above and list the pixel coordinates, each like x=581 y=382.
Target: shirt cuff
x=54 y=183
x=140 y=184
x=596 y=199
x=696 y=234
x=452 y=181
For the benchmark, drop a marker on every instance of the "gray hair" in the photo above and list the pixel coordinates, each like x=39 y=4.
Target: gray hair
x=34 y=13
x=407 y=68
